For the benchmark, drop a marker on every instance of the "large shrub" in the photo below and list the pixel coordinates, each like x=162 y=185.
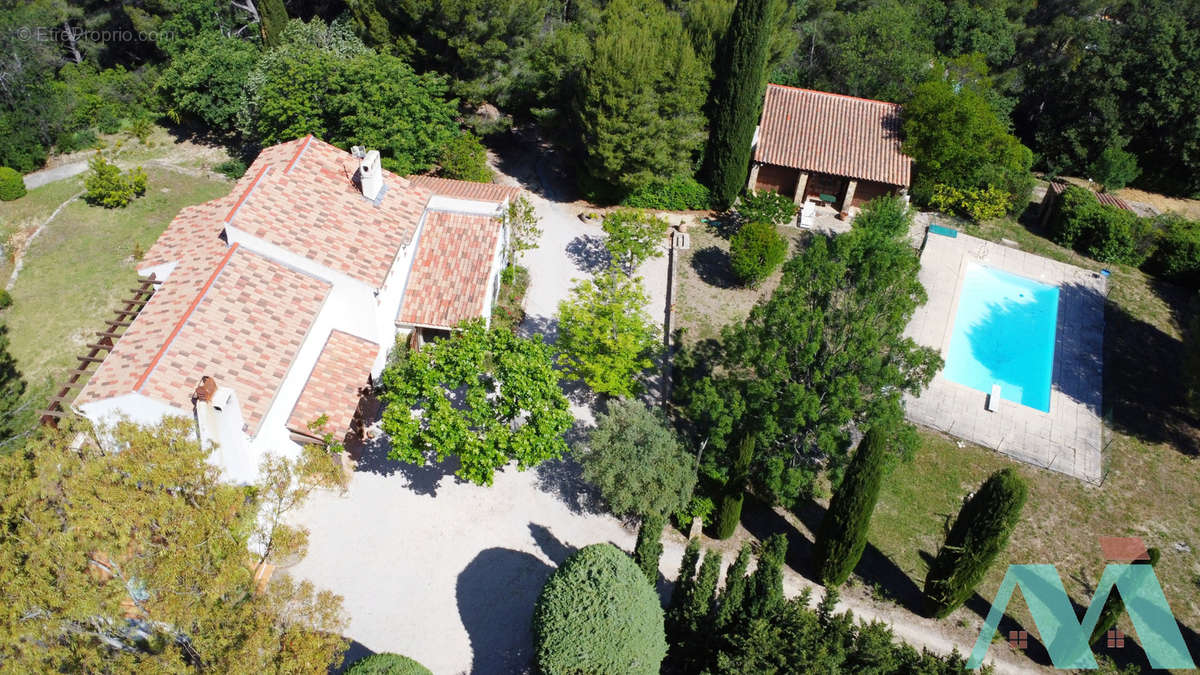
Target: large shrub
x=1115 y=167
x=106 y=186
x=1177 y=256
x=976 y=204
x=598 y=614
x=979 y=534
x=12 y=184
x=766 y=206
x=755 y=251
x=843 y=533
x=1103 y=232
x=387 y=664
x=681 y=193
x=464 y=158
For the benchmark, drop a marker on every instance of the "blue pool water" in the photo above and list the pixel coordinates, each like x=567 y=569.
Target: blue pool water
x=1004 y=334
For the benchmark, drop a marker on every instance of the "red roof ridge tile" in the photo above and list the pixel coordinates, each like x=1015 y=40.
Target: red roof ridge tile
x=246 y=193
x=299 y=153
x=831 y=93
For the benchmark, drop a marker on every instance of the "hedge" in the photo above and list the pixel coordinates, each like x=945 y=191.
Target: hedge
x=681 y=193
x=1105 y=233
x=12 y=184
x=1177 y=256
x=598 y=614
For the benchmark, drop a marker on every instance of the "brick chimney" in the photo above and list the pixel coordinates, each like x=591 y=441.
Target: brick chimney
x=370 y=175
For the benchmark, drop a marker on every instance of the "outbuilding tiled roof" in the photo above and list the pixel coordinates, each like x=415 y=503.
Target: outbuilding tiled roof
x=829 y=133
x=333 y=387
x=460 y=189
x=1057 y=187
x=449 y=277
x=310 y=205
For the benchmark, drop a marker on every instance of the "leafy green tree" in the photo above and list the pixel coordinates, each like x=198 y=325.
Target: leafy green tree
x=204 y=82
x=855 y=64
x=735 y=100
x=465 y=158
x=634 y=236
x=322 y=81
x=636 y=463
x=605 y=336
x=523 y=228
x=637 y=109
x=94 y=538
x=648 y=548
x=730 y=512
x=1114 y=605
x=842 y=536
x=486 y=396
x=1115 y=167
x=106 y=186
x=796 y=378
x=956 y=138
x=598 y=614
x=979 y=534
x=485 y=47
x=755 y=251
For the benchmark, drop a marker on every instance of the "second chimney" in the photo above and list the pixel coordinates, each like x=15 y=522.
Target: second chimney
x=370 y=175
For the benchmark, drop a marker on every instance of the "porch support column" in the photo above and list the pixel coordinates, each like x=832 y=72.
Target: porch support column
x=801 y=186
x=753 y=180
x=849 y=198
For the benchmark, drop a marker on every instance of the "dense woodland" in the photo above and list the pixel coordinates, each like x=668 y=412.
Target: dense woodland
x=626 y=82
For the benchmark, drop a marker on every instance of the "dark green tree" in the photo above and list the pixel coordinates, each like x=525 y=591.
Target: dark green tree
x=740 y=75
x=1114 y=605
x=684 y=581
x=1115 y=167
x=203 y=83
x=648 y=548
x=638 y=105
x=764 y=592
x=12 y=389
x=755 y=252
x=842 y=535
x=979 y=534
x=729 y=513
x=729 y=603
x=597 y=614
x=273 y=17
x=699 y=603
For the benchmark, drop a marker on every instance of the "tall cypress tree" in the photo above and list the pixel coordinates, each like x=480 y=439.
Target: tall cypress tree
x=12 y=388
x=843 y=533
x=730 y=601
x=730 y=512
x=272 y=17
x=765 y=589
x=979 y=534
x=649 y=548
x=736 y=98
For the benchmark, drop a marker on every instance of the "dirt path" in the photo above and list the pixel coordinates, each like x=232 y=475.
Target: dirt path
x=37 y=179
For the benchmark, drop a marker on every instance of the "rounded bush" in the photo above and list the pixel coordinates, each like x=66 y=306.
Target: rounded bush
x=598 y=614
x=387 y=664
x=755 y=251
x=6 y=300
x=12 y=185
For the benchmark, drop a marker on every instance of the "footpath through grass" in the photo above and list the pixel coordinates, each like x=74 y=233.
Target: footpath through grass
x=80 y=266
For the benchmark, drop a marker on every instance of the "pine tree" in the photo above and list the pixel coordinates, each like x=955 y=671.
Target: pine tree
x=729 y=603
x=730 y=512
x=649 y=548
x=843 y=533
x=765 y=588
x=12 y=388
x=736 y=98
x=979 y=534
x=1114 y=606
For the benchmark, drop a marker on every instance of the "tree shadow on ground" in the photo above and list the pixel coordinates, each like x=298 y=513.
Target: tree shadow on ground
x=724 y=225
x=554 y=549
x=356 y=652
x=1145 y=393
x=564 y=479
x=587 y=252
x=535 y=163
x=496 y=594
x=712 y=265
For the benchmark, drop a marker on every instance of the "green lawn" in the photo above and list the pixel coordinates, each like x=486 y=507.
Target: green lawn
x=75 y=272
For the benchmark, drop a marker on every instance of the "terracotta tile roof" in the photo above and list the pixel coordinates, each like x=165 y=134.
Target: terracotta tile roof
x=449 y=277
x=342 y=370
x=303 y=199
x=461 y=189
x=834 y=134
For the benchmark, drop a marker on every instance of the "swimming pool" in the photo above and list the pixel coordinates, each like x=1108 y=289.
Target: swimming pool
x=1004 y=334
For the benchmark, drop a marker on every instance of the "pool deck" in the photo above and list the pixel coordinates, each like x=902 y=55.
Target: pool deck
x=1068 y=438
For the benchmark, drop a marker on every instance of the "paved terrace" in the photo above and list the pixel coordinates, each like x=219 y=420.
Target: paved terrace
x=1067 y=438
